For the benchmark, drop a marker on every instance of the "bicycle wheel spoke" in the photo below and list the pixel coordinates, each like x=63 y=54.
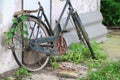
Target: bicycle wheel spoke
x=25 y=56
x=18 y=38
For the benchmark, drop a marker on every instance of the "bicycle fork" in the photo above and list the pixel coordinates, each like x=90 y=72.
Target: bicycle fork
x=81 y=32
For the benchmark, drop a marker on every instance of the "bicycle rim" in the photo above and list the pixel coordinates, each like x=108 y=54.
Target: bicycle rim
x=22 y=52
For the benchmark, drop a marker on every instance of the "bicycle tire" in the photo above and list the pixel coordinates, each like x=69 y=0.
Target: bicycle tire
x=21 y=45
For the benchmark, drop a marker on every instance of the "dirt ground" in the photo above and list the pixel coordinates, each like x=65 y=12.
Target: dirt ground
x=112 y=44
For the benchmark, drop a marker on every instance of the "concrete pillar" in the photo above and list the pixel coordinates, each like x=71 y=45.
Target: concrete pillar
x=8 y=7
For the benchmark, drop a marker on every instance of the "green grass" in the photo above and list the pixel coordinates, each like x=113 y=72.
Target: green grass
x=100 y=69
x=105 y=70
x=78 y=53
x=21 y=73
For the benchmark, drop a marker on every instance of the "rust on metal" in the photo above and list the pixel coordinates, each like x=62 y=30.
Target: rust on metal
x=60 y=45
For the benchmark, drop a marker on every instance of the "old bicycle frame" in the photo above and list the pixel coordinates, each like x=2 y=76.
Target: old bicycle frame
x=52 y=41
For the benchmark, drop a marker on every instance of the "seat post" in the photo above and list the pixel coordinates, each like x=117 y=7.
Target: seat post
x=22 y=5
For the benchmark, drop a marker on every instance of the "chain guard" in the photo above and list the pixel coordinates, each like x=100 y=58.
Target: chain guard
x=60 y=45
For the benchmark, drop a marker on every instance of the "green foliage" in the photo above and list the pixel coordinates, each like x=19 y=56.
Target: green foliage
x=111 y=12
x=99 y=54
x=53 y=63
x=5 y=79
x=108 y=70
x=9 y=33
x=23 y=18
x=15 y=21
x=94 y=63
x=21 y=73
x=78 y=53
x=100 y=69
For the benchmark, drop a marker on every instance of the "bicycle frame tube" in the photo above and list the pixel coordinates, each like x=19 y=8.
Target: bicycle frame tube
x=45 y=17
x=50 y=29
x=82 y=34
x=68 y=17
x=68 y=3
x=65 y=6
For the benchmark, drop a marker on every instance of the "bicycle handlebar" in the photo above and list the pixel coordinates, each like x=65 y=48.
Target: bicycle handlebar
x=39 y=4
x=61 y=0
x=64 y=0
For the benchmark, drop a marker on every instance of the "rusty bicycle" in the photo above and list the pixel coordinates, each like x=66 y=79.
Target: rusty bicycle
x=42 y=41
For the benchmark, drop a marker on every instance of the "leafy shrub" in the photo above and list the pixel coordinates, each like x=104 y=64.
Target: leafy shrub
x=108 y=71
x=111 y=12
x=78 y=53
x=21 y=73
x=9 y=33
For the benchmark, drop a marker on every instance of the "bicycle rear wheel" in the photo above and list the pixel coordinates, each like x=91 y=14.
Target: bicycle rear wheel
x=31 y=28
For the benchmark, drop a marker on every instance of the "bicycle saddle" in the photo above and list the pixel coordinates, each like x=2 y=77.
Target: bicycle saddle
x=24 y=12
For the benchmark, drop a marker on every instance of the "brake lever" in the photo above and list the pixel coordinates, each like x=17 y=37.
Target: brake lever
x=39 y=4
x=61 y=0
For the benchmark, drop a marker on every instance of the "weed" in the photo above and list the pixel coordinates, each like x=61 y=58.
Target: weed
x=53 y=63
x=15 y=27
x=78 y=53
x=105 y=70
x=21 y=73
x=99 y=54
x=5 y=79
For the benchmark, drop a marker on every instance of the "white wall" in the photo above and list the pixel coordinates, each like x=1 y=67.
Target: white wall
x=7 y=9
x=33 y=4
x=1 y=3
x=81 y=6
x=7 y=61
x=89 y=13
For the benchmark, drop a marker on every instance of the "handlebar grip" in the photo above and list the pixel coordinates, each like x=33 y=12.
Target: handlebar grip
x=39 y=4
x=61 y=0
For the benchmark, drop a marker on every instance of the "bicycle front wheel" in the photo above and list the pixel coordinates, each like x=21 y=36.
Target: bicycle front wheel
x=31 y=28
